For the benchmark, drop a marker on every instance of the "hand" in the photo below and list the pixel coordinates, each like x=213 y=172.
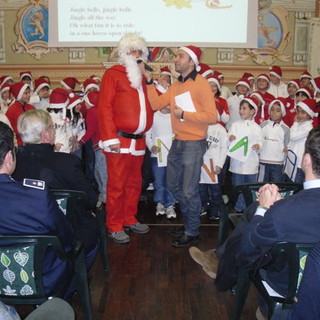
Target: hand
x=268 y=195
x=232 y=138
x=115 y=148
x=285 y=149
x=146 y=73
x=177 y=111
x=155 y=149
x=217 y=170
x=256 y=147
x=58 y=146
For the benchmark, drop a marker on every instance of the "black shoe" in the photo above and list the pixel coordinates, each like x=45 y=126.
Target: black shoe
x=184 y=241
x=178 y=232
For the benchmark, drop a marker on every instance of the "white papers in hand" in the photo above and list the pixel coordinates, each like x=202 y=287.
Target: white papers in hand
x=184 y=101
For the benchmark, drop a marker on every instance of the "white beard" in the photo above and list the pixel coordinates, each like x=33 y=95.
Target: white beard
x=133 y=71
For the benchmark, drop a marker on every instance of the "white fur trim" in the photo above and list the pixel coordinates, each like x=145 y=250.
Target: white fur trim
x=207 y=73
x=283 y=108
x=275 y=74
x=192 y=55
x=59 y=105
x=143 y=112
x=65 y=85
x=25 y=74
x=216 y=81
x=42 y=85
x=86 y=99
x=74 y=103
x=91 y=85
x=306 y=108
x=242 y=83
x=22 y=90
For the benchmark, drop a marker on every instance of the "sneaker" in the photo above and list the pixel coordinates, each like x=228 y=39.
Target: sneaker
x=171 y=214
x=161 y=210
x=138 y=228
x=119 y=237
x=203 y=211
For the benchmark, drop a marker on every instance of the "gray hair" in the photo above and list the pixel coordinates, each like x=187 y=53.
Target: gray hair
x=32 y=123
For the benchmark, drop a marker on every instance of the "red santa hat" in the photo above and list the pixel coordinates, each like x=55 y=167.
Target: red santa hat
x=218 y=74
x=25 y=74
x=316 y=84
x=92 y=98
x=309 y=93
x=39 y=84
x=95 y=78
x=89 y=84
x=248 y=75
x=166 y=71
x=263 y=76
x=73 y=101
x=194 y=53
x=69 y=83
x=295 y=82
x=281 y=102
x=309 y=106
x=244 y=82
x=4 y=79
x=306 y=74
x=5 y=87
x=205 y=70
x=60 y=98
x=17 y=89
x=214 y=79
x=276 y=71
x=253 y=101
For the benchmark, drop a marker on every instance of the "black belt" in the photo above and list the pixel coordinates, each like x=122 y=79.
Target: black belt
x=130 y=135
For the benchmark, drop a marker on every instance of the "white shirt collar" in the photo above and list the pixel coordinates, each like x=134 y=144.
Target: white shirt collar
x=311 y=184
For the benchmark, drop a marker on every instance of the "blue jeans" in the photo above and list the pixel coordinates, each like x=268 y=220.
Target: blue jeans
x=100 y=173
x=183 y=174
x=161 y=192
x=211 y=194
x=273 y=172
x=238 y=178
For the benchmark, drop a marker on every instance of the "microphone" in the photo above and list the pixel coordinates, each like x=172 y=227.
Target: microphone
x=145 y=65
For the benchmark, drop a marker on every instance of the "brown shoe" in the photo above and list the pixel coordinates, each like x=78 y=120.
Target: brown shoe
x=207 y=259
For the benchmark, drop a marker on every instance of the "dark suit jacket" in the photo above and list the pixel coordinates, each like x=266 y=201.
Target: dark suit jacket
x=294 y=219
x=28 y=211
x=60 y=171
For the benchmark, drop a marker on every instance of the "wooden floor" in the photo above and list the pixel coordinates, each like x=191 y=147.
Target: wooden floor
x=151 y=280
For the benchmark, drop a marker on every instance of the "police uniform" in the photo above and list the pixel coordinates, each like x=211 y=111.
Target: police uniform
x=30 y=209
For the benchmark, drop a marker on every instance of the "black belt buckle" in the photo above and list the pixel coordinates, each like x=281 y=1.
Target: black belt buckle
x=130 y=135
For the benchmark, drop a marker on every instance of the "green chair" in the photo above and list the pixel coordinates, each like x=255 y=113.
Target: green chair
x=68 y=201
x=22 y=264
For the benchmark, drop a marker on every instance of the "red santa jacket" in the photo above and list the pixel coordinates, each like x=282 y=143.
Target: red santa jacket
x=13 y=113
x=123 y=108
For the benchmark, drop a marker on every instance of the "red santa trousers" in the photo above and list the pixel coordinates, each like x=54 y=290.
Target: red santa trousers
x=123 y=189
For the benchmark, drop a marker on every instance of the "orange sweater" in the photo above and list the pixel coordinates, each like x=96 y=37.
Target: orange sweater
x=196 y=123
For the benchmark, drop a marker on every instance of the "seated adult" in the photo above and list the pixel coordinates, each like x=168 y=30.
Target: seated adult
x=30 y=209
x=59 y=170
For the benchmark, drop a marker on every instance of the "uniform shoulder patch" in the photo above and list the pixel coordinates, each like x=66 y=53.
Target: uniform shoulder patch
x=36 y=184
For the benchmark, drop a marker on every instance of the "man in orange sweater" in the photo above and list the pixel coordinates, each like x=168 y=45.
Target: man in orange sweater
x=192 y=110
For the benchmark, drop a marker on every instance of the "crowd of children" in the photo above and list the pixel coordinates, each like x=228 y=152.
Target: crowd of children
x=260 y=136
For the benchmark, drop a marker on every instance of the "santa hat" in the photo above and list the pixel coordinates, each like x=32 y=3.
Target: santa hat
x=281 y=102
x=306 y=74
x=244 y=82
x=95 y=78
x=4 y=79
x=89 y=84
x=253 y=101
x=25 y=74
x=215 y=80
x=73 y=101
x=59 y=98
x=263 y=76
x=276 y=71
x=69 y=83
x=257 y=95
x=316 y=84
x=17 y=89
x=218 y=74
x=309 y=106
x=295 y=82
x=129 y=42
x=305 y=90
x=92 y=98
x=5 y=87
x=166 y=71
x=39 y=84
x=248 y=76
x=205 y=70
x=194 y=53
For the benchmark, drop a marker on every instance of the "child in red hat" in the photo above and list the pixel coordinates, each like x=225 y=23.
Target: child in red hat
x=41 y=94
x=21 y=93
x=306 y=113
x=290 y=104
x=277 y=87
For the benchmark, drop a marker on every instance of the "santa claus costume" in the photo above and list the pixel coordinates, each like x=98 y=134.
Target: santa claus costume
x=124 y=116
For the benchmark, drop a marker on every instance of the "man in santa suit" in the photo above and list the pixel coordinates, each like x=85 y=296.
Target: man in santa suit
x=124 y=116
